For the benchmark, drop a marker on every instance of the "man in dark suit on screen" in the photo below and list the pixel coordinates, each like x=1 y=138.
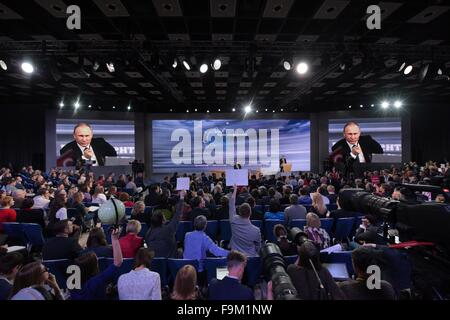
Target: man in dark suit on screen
x=354 y=149
x=87 y=148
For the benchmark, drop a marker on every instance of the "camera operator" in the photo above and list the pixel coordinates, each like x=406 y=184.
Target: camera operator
x=310 y=278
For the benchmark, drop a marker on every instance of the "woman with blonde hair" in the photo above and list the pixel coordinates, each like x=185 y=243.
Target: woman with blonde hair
x=314 y=231
x=318 y=206
x=185 y=284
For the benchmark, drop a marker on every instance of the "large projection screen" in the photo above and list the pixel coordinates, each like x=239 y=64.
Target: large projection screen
x=207 y=145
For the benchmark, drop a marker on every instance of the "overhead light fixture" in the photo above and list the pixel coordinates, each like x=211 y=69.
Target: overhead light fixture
x=27 y=67
x=256 y=111
x=360 y=105
x=248 y=109
x=3 y=65
x=61 y=104
x=110 y=66
x=114 y=107
x=398 y=104
x=372 y=105
x=350 y=107
x=287 y=64
x=302 y=68
x=233 y=109
x=385 y=104
x=216 y=64
x=174 y=63
x=402 y=66
x=282 y=110
x=187 y=111
x=203 y=68
x=186 y=65
x=218 y=110
x=129 y=108
x=408 y=69
x=76 y=105
x=89 y=106
x=207 y=111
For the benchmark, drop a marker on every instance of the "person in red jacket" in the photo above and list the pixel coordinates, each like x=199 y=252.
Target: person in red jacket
x=6 y=213
x=131 y=243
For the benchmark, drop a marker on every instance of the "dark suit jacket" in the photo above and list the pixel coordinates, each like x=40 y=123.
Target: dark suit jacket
x=229 y=289
x=61 y=248
x=368 y=146
x=100 y=147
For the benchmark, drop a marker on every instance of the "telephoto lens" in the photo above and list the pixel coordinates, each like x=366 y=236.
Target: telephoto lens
x=274 y=268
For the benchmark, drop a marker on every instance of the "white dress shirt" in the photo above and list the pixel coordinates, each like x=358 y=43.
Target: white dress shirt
x=93 y=158
x=360 y=155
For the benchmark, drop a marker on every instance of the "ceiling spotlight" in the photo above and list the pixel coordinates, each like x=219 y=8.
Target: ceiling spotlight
x=203 y=68
x=233 y=109
x=216 y=64
x=110 y=67
x=350 y=107
x=187 y=111
x=89 y=106
x=398 y=104
x=360 y=105
x=302 y=68
x=273 y=111
x=266 y=110
x=218 y=110
x=287 y=64
x=439 y=71
x=207 y=111
x=129 y=108
x=27 y=67
x=114 y=107
x=282 y=110
x=372 y=105
x=3 y=65
x=408 y=69
x=248 y=109
x=174 y=63
x=76 y=105
x=186 y=65
x=256 y=111
x=385 y=104
x=195 y=110
x=61 y=104
x=402 y=66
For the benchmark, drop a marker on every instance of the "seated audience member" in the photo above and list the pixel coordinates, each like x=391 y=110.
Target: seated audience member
x=29 y=215
x=18 y=196
x=287 y=247
x=245 y=237
x=440 y=198
x=304 y=198
x=121 y=182
x=131 y=242
x=256 y=214
x=318 y=206
x=362 y=258
x=132 y=186
x=304 y=277
x=243 y=195
x=138 y=213
x=198 y=209
x=6 y=213
x=86 y=192
x=125 y=198
x=94 y=282
x=332 y=196
x=154 y=196
x=97 y=243
x=10 y=264
x=369 y=230
x=30 y=282
x=82 y=213
x=185 y=287
x=294 y=211
x=342 y=213
x=161 y=236
x=315 y=233
x=197 y=243
x=99 y=195
x=140 y=283
x=274 y=212
x=42 y=200
x=223 y=210
x=58 y=208
x=62 y=246
x=230 y=287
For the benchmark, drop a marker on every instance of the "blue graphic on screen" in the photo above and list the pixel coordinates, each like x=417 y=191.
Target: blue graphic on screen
x=202 y=145
x=386 y=131
x=118 y=133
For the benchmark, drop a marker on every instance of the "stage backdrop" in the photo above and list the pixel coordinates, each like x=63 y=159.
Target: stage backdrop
x=387 y=131
x=206 y=145
x=118 y=133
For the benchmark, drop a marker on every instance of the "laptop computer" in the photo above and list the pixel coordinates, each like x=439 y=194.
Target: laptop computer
x=338 y=271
